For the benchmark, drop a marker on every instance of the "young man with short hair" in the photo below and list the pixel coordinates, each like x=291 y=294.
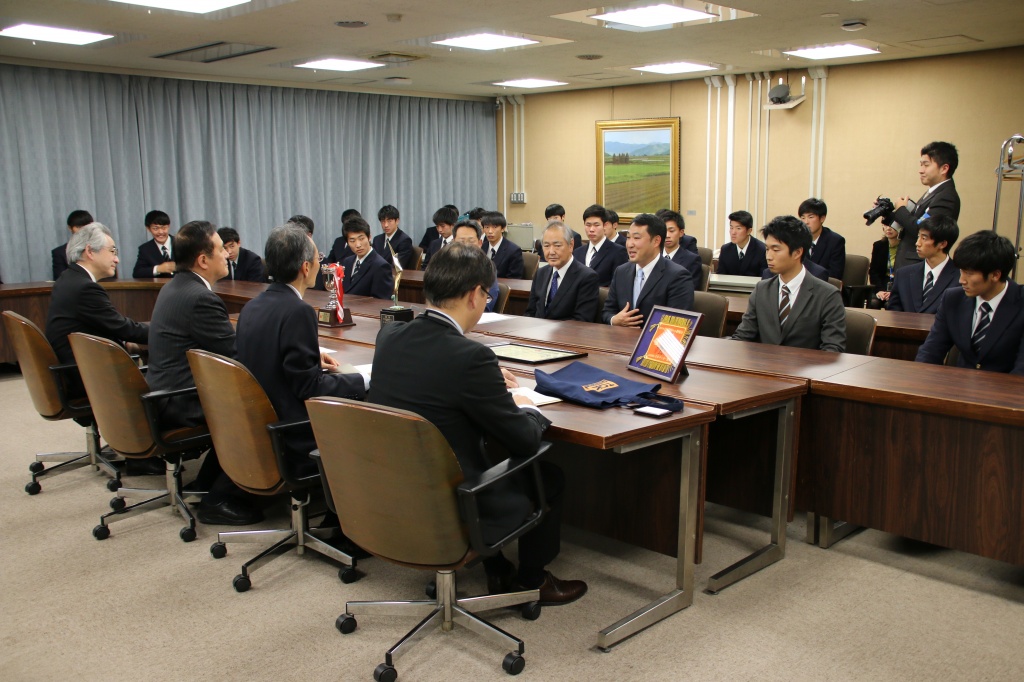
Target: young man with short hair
x=367 y=273
x=156 y=257
x=77 y=219
x=744 y=255
x=985 y=318
x=468 y=231
x=918 y=288
x=444 y=219
x=243 y=264
x=676 y=249
x=393 y=243
x=611 y=228
x=339 y=250
x=682 y=239
x=599 y=254
x=557 y=212
x=828 y=248
x=936 y=167
x=566 y=289
x=792 y=309
x=647 y=279
x=506 y=255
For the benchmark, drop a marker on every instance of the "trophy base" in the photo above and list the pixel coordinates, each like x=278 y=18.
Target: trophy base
x=396 y=314
x=327 y=318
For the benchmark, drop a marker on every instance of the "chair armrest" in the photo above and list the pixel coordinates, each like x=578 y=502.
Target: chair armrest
x=858 y=294
x=278 y=431
x=151 y=402
x=62 y=375
x=470 y=489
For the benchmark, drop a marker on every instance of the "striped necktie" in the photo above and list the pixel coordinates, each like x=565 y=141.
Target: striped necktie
x=554 y=287
x=784 y=306
x=984 y=320
x=929 y=284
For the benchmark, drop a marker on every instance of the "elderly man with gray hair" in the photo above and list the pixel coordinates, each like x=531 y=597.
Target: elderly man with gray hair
x=79 y=304
x=566 y=289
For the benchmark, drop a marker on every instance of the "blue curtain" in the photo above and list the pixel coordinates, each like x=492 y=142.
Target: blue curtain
x=243 y=156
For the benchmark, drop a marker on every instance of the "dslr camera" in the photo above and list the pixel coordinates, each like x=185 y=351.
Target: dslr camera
x=883 y=207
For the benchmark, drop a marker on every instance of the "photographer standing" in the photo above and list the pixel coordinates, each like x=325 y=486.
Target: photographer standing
x=938 y=163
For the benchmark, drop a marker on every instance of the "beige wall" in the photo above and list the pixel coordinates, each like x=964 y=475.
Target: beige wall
x=877 y=117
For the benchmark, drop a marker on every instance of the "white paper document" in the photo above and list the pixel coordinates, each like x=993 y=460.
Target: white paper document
x=492 y=317
x=537 y=398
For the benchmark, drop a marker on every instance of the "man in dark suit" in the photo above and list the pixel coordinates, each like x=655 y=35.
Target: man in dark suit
x=744 y=255
x=599 y=253
x=444 y=220
x=611 y=228
x=828 y=248
x=984 y=319
x=505 y=254
x=557 y=212
x=468 y=231
x=340 y=251
x=393 y=242
x=366 y=272
x=565 y=289
x=156 y=257
x=647 y=279
x=466 y=397
x=243 y=264
x=679 y=248
x=79 y=304
x=76 y=220
x=938 y=163
x=189 y=315
x=918 y=288
x=792 y=309
x=809 y=265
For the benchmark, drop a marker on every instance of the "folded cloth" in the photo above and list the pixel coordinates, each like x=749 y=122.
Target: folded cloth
x=590 y=386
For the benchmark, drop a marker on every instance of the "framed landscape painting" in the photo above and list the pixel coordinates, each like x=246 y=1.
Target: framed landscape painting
x=638 y=166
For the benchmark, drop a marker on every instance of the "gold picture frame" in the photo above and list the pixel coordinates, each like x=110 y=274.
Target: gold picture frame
x=638 y=165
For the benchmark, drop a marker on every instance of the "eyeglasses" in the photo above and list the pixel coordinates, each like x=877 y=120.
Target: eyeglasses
x=489 y=299
x=112 y=249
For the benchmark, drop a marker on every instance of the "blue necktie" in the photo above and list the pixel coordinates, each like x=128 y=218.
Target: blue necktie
x=554 y=287
x=929 y=283
x=638 y=286
x=983 y=323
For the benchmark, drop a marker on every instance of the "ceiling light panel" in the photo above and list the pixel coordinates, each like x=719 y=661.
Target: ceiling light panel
x=832 y=51
x=675 y=67
x=334 y=64
x=51 y=34
x=194 y=6
x=530 y=83
x=653 y=15
x=486 y=41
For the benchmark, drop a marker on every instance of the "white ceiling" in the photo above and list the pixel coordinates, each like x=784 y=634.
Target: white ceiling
x=301 y=30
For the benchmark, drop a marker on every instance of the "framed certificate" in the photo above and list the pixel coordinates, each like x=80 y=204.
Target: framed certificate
x=664 y=343
x=533 y=355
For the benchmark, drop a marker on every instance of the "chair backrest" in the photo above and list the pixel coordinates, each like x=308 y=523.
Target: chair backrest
x=715 y=308
x=856 y=270
x=35 y=357
x=837 y=283
x=416 y=262
x=115 y=385
x=705 y=277
x=602 y=296
x=531 y=262
x=860 y=332
x=237 y=412
x=393 y=478
x=706 y=255
x=499 y=305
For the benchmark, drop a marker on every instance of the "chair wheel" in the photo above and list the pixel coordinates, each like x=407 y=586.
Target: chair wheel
x=36 y=467
x=385 y=673
x=346 y=624
x=33 y=487
x=513 y=663
x=118 y=503
x=101 y=532
x=218 y=550
x=187 y=534
x=113 y=485
x=531 y=610
x=348 y=574
x=431 y=590
x=241 y=583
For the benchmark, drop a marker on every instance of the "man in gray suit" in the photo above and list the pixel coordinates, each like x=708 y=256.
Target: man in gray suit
x=189 y=315
x=792 y=309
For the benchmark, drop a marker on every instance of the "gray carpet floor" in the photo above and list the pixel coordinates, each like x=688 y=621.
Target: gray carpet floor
x=143 y=605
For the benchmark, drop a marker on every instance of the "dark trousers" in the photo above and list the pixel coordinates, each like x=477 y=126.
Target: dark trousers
x=539 y=546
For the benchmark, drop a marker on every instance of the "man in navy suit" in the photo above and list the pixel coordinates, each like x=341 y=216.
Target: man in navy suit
x=366 y=272
x=938 y=163
x=676 y=248
x=599 y=254
x=918 y=288
x=744 y=255
x=506 y=255
x=566 y=289
x=156 y=257
x=647 y=279
x=393 y=240
x=828 y=248
x=339 y=250
x=611 y=228
x=984 y=319
x=557 y=212
x=76 y=220
x=243 y=264
x=444 y=220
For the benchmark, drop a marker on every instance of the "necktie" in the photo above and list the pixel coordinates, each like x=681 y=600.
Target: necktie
x=741 y=254
x=355 y=270
x=491 y=253
x=983 y=322
x=590 y=255
x=929 y=284
x=811 y=252
x=167 y=256
x=784 y=306
x=638 y=286
x=231 y=269
x=554 y=286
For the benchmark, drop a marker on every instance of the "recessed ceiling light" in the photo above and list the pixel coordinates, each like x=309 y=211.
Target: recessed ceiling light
x=675 y=67
x=832 y=51
x=50 y=34
x=339 y=65
x=358 y=24
x=195 y=6
x=486 y=41
x=530 y=83
x=655 y=15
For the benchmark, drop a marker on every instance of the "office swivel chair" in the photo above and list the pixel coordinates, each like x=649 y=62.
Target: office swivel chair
x=249 y=441
x=503 y=291
x=128 y=415
x=401 y=496
x=715 y=307
x=531 y=263
x=48 y=382
x=860 y=332
x=706 y=255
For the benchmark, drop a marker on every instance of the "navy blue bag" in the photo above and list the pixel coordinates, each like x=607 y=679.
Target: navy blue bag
x=589 y=386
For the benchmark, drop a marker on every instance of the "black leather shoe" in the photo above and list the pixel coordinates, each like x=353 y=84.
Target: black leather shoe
x=555 y=592
x=228 y=513
x=150 y=466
